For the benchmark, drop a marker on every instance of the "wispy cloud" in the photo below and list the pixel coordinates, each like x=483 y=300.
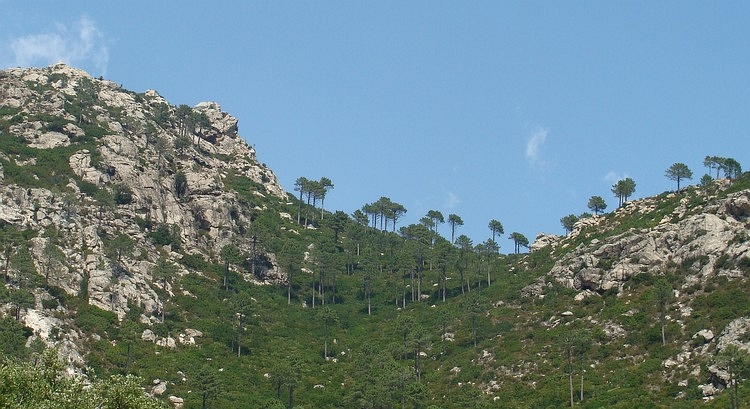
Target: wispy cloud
x=613 y=177
x=451 y=200
x=77 y=44
x=536 y=140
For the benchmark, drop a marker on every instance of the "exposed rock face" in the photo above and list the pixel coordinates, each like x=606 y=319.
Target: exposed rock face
x=543 y=240
x=134 y=164
x=695 y=242
x=735 y=334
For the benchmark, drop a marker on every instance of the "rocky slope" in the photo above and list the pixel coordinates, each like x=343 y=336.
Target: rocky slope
x=717 y=232
x=699 y=237
x=93 y=165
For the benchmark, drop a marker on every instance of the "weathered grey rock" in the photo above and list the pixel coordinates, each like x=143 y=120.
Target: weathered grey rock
x=222 y=124
x=176 y=402
x=193 y=333
x=735 y=334
x=159 y=388
x=613 y=330
x=80 y=163
x=543 y=240
x=706 y=334
x=738 y=207
x=709 y=389
x=148 y=335
x=167 y=342
x=536 y=289
x=47 y=140
x=698 y=238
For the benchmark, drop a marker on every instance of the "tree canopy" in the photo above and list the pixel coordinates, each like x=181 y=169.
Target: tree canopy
x=623 y=189
x=597 y=204
x=678 y=172
x=568 y=222
x=496 y=228
x=729 y=166
x=519 y=240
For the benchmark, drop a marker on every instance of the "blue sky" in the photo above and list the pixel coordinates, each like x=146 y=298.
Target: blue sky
x=515 y=111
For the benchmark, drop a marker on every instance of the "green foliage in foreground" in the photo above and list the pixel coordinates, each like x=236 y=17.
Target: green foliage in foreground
x=42 y=385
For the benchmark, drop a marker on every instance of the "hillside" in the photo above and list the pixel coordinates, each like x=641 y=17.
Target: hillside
x=145 y=238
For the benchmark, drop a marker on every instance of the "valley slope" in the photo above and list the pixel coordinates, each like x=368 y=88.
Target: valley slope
x=140 y=237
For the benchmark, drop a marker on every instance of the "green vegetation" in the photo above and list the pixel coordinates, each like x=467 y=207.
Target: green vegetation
x=373 y=314
x=679 y=172
x=165 y=235
x=43 y=384
x=397 y=355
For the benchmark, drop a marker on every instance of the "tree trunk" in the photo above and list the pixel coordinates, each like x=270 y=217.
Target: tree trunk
x=403 y=301
x=411 y=273
x=661 y=320
x=416 y=362
x=8 y=251
x=289 y=289
x=581 y=377
x=419 y=284
x=291 y=396
x=226 y=275
x=322 y=292
x=474 y=329
x=442 y=338
x=570 y=373
x=445 y=279
x=461 y=272
x=299 y=206
x=239 y=335
x=369 y=298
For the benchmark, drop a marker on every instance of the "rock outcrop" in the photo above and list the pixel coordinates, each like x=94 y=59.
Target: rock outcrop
x=712 y=241
x=94 y=165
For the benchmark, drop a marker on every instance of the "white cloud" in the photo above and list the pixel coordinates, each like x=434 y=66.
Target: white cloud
x=613 y=177
x=81 y=43
x=451 y=200
x=534 y=145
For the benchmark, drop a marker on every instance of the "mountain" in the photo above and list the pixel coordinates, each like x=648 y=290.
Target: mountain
x=89 y=161
x=140 y=237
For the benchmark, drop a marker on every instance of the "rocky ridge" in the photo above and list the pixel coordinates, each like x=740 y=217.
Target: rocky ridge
x=718 y=233
x=702 y=238
x=134 y=163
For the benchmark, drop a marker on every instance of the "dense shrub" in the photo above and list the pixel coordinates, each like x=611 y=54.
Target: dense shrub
x=180 y=184
x=92 y=319
x=123 y=195
x=166 y=236
x=87 y=188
